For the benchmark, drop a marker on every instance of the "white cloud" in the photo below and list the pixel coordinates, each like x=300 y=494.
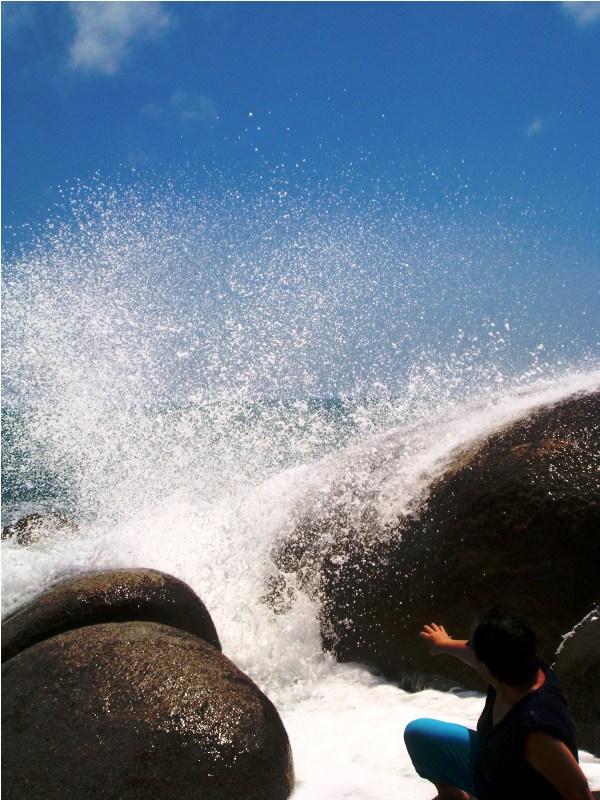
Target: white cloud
x=583 y=12
x=535 y=127
x=107 y=31
x=183 y=108
x=192 y=107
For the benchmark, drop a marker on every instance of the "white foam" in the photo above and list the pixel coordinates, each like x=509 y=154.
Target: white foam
x=145 y=299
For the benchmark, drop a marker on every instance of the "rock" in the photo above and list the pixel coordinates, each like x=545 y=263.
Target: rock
x=121 y=595
x=133 y=710
x=515 y=520
x=36 y=528
x=578 y=667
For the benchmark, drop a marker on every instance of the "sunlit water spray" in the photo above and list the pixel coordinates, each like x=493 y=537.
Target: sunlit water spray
x=187 y=376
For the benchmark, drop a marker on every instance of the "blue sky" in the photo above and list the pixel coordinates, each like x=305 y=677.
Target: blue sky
x=506 y=93
x=485 y=116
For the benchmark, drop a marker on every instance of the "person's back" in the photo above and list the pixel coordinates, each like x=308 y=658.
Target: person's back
x=501 y=770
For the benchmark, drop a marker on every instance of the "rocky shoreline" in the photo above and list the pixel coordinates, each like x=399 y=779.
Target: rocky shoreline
x=515 y=520
x=114 y=684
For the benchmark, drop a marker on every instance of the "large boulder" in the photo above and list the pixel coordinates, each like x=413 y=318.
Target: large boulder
x=121 y=595
x=132 y=710
x=578 y=667
x=36 y=528
x=514 y=520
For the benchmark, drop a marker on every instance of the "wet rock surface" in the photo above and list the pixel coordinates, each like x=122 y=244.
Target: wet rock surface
x=515 y=520
x=578 y=667
x=108 y=596
x=36 y=528
x=133 y=710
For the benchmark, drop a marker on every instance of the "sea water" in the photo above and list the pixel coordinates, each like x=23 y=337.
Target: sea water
x=188 y=381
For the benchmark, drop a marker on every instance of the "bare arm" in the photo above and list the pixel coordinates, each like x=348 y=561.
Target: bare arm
x=442 y=642
x=553 y=759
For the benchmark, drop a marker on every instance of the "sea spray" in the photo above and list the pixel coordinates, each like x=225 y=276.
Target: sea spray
x=188 y=376
x=136 y=302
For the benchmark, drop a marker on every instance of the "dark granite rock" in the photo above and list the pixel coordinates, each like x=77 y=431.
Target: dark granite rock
x=36 y=528
x=515 y=520
x=578 y=667
x=120 y=595
x=137 y=710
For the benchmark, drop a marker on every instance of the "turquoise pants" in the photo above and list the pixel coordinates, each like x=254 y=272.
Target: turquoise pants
x=443 y=752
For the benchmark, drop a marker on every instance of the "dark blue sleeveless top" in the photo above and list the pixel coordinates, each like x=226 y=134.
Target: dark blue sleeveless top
x=500 y=772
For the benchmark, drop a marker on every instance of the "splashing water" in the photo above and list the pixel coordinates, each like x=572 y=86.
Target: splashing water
x=185 y=375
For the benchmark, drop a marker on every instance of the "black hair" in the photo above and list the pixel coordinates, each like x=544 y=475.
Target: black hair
x=506 y=644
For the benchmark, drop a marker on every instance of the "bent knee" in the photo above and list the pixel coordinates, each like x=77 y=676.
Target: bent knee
x=424 y=726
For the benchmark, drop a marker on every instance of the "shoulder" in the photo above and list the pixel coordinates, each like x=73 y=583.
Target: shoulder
x=549 y=694
x=546 y=712
x=552 y=681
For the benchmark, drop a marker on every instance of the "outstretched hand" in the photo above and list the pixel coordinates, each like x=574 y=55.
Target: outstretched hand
x=436 y=636
x=442 y=642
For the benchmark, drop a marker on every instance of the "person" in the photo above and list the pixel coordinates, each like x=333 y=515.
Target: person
x=525 y=743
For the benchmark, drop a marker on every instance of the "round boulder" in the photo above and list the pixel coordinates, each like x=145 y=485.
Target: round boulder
x=514 y=521
x=132 y=710
x=35 y=528
x=121 y=595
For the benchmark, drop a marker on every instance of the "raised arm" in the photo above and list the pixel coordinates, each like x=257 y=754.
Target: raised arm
x=441 y=642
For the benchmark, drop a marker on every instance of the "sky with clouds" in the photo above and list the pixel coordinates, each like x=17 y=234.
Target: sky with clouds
x=509 y=91
x=485 y=115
